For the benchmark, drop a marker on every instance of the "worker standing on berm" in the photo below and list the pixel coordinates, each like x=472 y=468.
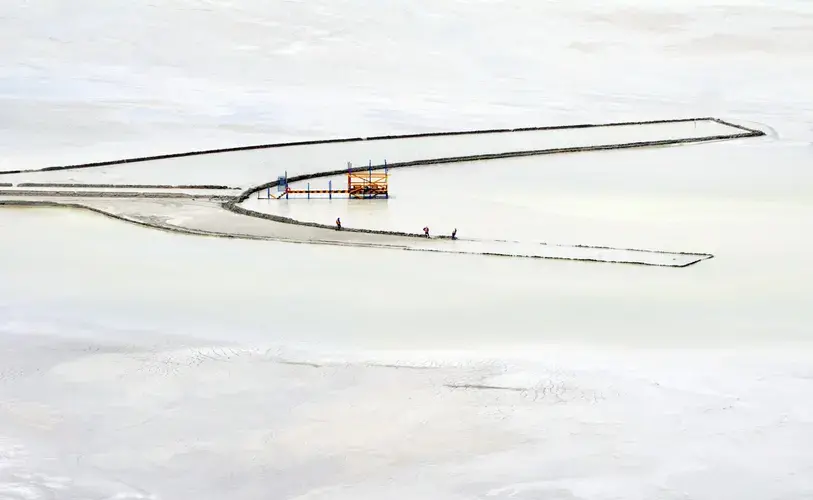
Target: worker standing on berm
x=338 y=224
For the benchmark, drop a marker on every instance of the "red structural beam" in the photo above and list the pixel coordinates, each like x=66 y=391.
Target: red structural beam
x=317 y=191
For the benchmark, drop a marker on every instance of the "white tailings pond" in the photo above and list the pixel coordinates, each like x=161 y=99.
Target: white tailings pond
x=145 y=364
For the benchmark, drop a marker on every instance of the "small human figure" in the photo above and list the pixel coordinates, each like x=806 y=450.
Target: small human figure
x=426 y=231
x=454 y=234
x=338 y=224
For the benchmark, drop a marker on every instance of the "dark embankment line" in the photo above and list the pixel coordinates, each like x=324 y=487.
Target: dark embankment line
x=751 y=132
x=233 y=204
x=6 y=184
x=123 y=186
x=201 y=232
x=113 y=194
x=702 y=255
x=484 y=387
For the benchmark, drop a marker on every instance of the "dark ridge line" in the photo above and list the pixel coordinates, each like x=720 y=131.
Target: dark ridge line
x=299 y=363
x=6 y=184
x=366 y=365
x=485 y=387
x=752 y=132
x=123 y=186
x=202 y=232
x=601 y=261
x=114 y=194
x=399 y=367
x=592 y=247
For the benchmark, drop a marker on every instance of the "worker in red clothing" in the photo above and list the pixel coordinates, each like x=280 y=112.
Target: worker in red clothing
x=426 y=231
x=338 y=224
